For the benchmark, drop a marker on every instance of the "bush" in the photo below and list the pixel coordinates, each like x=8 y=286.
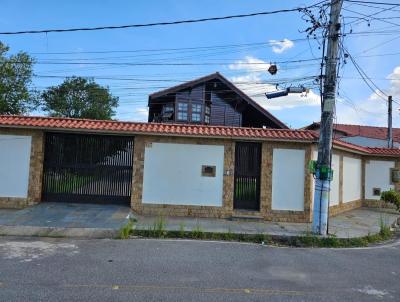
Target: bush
x=392 y=197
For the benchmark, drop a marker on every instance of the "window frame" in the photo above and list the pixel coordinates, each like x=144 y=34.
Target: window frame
x=198 y=112
x=207 y=115
x=180 y=111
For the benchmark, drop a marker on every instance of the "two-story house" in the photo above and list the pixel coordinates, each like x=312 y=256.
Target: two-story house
x=209 y=100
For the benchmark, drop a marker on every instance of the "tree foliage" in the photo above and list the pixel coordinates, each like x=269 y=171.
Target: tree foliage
x=16 y=95
x=79 y=97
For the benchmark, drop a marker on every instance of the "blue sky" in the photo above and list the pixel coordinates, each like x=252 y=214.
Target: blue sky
x=374 y=51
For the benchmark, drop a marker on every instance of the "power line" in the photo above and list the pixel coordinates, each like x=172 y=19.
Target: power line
x=161 y=51
x=159 y=23
x=367 y=80
x=371 y=15
x=371 y=2
x=366 y=5
x=378 y=45
x=166 y=49
x=163 y=64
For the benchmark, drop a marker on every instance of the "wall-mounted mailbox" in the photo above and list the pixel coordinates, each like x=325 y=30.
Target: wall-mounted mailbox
x=208 y=171
x=376 y=191
x=395 y=175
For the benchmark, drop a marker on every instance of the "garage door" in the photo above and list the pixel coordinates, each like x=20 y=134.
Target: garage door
x=88 y=168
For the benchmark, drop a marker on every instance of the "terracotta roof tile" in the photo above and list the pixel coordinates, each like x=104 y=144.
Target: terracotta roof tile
x=135 y=127
x=51 y=123
x=362 y=130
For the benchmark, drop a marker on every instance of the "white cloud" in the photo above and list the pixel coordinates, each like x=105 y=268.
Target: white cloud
x=281 y=46
x=249 y=64
x=394 y=89
x=141 y=114
x=251 y=82
x=128 y=113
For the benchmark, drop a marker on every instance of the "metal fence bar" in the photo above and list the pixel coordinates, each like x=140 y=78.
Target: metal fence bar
x=88 y=168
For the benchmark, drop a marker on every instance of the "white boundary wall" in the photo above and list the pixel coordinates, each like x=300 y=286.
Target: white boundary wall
x=172 y=174
x=288 y=179
x=377 y=175
x=15 y=152
x=352 y=174
x=335 y=184
x=334 y=193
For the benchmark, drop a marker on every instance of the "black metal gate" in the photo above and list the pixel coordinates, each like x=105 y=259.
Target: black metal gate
x=88 y=168
x=247 y=176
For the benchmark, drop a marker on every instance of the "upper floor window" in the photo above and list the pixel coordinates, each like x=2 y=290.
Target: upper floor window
x=167 y=113
x=182 y=111
x=207 y=113
x=196 y=112
x=168 y=108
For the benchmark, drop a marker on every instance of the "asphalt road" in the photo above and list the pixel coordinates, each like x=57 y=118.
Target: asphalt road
x=157 y=270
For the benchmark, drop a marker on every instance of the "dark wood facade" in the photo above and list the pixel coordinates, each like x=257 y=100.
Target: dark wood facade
x=211 y=100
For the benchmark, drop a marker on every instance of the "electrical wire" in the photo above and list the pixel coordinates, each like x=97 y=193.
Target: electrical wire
x=159 y=23
x=371 y=2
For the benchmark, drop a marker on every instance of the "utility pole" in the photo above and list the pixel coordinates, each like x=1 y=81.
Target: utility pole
x=390 y=129
x=323 y=171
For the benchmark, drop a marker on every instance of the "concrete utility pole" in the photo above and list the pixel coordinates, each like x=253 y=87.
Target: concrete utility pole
x=390 y=129
x=323 y=171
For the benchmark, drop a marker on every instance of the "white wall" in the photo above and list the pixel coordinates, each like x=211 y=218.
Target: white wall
x=367 y=141
x=377 y=175
x=172 y=174
x=352 y=173
x=15 y=154
x=334 y=193
x=288 y=179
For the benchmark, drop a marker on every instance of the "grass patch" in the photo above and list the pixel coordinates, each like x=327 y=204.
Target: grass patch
x=158 y=230
x=182 y=230
x=126 y=230
x=308 y=240
x=158 y=227
x=197 y=232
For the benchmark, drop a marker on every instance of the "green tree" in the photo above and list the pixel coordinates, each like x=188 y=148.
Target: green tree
x=78 y=97
x=16 y=94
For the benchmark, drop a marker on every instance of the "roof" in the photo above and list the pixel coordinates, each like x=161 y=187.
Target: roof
x=56 y=123
x=361 y=130
x=132 y=128
x=220 y=77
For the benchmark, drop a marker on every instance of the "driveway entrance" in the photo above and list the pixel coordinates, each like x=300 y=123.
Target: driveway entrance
x=88 y=168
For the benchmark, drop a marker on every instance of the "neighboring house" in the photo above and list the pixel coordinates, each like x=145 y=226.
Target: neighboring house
x=367 y=136
x=183 y=170
x=210 y=100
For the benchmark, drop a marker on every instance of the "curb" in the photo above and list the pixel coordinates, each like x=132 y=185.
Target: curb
x=34 y=231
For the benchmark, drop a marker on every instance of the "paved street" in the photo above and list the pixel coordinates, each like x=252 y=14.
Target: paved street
x=33 y=269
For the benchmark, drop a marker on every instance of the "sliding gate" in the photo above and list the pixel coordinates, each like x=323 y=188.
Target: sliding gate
x=88 y=168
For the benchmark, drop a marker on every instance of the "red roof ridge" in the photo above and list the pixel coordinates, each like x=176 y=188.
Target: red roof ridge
x=358 y=125
x=351 y=125
x=86 y=120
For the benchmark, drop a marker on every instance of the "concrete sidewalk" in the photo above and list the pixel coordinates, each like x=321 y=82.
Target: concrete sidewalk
x=105 y=221
x=65 y=220
x=352 y=224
